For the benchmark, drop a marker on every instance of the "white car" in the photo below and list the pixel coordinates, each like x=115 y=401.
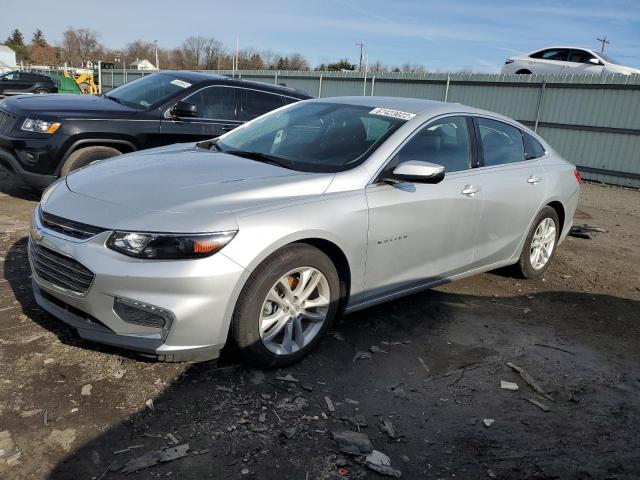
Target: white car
x=565 y=60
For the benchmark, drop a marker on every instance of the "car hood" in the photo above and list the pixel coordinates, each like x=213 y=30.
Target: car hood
x=66 y=105
x=178 y=189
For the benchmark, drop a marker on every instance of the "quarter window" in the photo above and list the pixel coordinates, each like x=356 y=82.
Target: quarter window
x=255 y=103
x=444 y=142
x=215 y=103
x=532 y=147
x=501 y=143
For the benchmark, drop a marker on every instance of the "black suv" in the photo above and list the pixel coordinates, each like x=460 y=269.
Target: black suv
x=18 y=83
x=44 y=137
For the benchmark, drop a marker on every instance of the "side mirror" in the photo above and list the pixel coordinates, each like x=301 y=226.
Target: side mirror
x=595 y=61
x=417 y=171
x=184 y=109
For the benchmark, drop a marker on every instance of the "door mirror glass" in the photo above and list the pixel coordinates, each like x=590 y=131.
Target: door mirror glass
x=184 y=109
x=595 y=61
x=417 y=171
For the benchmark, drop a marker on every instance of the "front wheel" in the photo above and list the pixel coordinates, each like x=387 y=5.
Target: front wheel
x=84 y=156
x=287 y=305
x=540 y=244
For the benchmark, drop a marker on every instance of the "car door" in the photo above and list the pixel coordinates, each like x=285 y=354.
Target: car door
x=580 y=62
x=549 y=61
x=421 y=232
x=217 y=113
x=514 y=187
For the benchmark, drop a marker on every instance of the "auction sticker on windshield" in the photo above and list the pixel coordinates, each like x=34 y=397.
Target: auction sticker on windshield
x=392 y=113
x=181 y=83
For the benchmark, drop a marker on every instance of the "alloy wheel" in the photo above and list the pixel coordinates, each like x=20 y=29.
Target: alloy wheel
x=543 y=243
x=294 y=310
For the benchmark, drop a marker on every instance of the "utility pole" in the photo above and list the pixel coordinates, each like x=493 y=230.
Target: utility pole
x=604 y=40
x=361 y=45
x=157 y=61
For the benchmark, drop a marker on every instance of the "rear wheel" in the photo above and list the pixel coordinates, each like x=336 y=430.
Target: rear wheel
x=540 y=244
x=42 y=91
x=287 y=305
x=84 y=156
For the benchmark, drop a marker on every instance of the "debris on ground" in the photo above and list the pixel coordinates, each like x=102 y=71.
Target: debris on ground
x=288 y=378
x=244 y=471
x=361 y=356
x=14 y=459
x=154 y=458
x=529 y=379
x=288 y=404
x=387 y=426
x=424 y=365
x=86 y=390
x=538 y=404
x=376 y=349
x=30 y=413
x=171 y=437
x=359 y=421
x=583 y=231
x=353 y=443
x=508 y=385
x=307 y=386
x=488 y=422
x=149 y=404
x=381 y=463
x=330 y=405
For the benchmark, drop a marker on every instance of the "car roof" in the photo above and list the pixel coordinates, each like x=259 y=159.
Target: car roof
x=198 y=77
x=565 y=47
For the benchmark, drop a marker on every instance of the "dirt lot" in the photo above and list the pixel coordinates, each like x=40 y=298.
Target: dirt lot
x=437 y=379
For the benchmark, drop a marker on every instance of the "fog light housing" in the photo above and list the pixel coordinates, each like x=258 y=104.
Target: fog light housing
x=143 y=314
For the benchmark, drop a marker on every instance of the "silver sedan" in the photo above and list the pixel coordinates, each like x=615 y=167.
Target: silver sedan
x=319 y=208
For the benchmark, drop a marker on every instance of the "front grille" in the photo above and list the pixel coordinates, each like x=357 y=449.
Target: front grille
x=7 y=121
x=69 y=227
x=60 y=270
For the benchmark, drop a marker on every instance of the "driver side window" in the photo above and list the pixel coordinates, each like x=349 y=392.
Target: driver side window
x=443 y=142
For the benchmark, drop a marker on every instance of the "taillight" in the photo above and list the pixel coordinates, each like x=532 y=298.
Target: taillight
x=508 y=61
x=577 y=174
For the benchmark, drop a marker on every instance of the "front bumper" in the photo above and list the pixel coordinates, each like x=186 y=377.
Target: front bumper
x=9 y=157
x=199 y=294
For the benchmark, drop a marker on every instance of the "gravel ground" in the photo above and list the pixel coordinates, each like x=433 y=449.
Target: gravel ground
x=424 y=392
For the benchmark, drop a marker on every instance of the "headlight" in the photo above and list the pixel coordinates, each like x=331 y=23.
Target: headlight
x=40 y=126
x=168 y=246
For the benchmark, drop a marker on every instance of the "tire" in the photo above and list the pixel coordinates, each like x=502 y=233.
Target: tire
x=41 y=91
x=523 y=72
x=85 y=88
x=84 y=156
x=526 y=266
x=254 y=310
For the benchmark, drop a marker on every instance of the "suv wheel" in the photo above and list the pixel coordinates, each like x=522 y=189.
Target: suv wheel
x=84 y=156
x=287 y=305
x=42 y=91
x=540 y=244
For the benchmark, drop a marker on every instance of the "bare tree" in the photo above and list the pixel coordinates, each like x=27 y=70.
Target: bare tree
x=80 y=45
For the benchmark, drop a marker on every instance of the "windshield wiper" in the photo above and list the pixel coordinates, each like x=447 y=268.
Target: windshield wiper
x=117 y=100
x=260 y=157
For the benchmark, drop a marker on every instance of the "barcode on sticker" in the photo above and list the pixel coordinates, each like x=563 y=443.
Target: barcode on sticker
x=392 y=113
x=181 y=83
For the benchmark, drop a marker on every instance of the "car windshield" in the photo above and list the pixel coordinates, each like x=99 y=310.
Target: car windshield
x=148 y=91
x=607 y=58
x=314 y=136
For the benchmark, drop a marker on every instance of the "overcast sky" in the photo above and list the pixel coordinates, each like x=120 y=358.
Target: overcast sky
x=438 y=34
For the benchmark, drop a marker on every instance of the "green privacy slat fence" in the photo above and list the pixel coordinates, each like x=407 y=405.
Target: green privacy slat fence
x=593 y=121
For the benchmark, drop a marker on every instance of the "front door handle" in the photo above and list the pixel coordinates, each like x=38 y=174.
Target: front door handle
x=533 y=179
x=228 y=128
x=470 y=190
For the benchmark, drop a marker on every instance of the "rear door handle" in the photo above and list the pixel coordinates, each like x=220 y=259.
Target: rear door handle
x=228 y=128
x=470 y=190
x=533 y=179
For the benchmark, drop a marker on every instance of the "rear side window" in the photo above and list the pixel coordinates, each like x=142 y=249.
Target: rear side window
x=559 y=54
x=215 y=103
x=501 y=143
x=254 y=103
x=532 y=147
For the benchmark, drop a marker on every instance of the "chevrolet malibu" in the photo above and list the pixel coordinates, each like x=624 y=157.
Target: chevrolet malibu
x=318 y=208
